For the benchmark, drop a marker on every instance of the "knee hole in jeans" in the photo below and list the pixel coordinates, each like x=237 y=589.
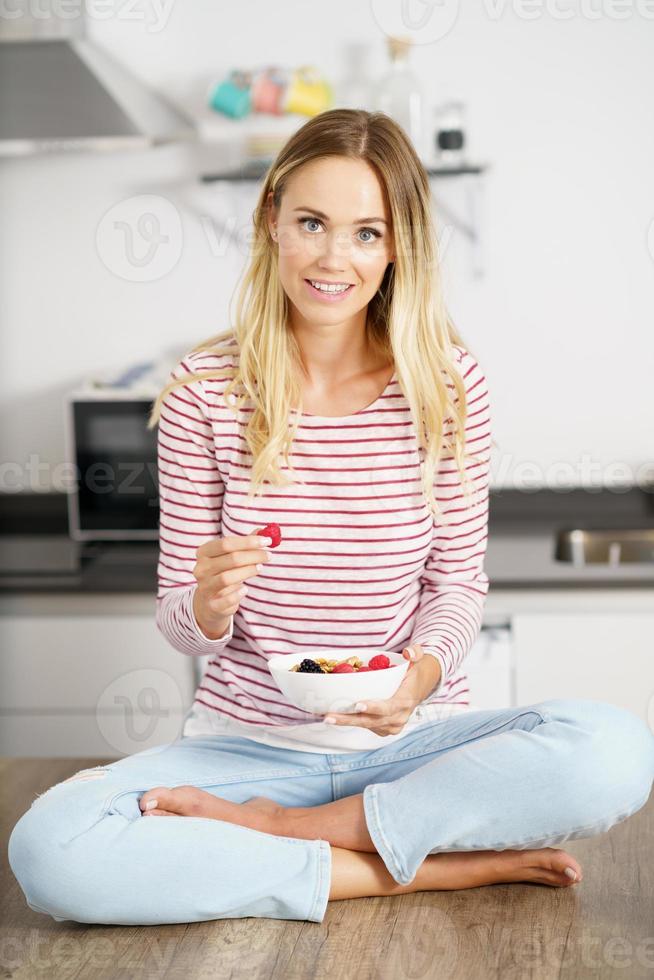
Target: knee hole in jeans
x=83 y=775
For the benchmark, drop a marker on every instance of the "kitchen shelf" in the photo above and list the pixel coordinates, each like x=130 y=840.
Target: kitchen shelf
x=256 y=171
x=469 y=224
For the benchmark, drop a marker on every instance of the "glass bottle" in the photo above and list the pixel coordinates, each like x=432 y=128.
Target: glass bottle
x=354 y=90
x=400 y=94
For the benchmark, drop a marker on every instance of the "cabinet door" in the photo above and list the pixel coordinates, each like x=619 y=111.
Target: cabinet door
x=489 y=668
x=601 y=656
x=102 y=684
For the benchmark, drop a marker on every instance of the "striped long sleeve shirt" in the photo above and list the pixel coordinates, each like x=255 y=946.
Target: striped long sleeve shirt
x=362 y=562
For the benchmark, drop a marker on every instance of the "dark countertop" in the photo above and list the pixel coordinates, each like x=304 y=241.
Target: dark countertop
x=37 y=554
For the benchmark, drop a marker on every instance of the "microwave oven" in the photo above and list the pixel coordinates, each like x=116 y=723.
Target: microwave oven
x=114 y=490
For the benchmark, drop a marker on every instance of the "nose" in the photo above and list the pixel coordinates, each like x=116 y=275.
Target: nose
x=334 y=252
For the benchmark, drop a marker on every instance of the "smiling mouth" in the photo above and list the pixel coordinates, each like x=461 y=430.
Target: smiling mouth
x=330 y=292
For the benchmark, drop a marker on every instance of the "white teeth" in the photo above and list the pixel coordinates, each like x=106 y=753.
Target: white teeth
x=328 y=288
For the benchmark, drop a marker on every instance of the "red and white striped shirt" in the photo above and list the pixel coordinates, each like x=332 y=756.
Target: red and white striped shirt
x=362 y=561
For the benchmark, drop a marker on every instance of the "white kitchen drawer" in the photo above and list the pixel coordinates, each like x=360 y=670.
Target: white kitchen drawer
x=490 y=670
x=78 y=735
x=602 y=656
x=90 y=662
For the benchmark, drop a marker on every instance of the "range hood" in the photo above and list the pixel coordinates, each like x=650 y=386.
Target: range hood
x=65 y=93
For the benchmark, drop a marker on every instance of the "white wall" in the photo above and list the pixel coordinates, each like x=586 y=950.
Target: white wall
x=562 y=321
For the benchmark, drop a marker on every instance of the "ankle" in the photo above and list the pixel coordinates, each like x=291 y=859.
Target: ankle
x=295 y=821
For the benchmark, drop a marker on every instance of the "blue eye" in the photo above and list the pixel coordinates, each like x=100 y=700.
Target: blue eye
x=371 y=231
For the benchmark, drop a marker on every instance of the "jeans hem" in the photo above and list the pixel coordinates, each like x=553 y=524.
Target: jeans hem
x=318 y=908
x=384 y=849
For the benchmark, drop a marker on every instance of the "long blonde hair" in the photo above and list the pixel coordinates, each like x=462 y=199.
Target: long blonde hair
x=407 y=322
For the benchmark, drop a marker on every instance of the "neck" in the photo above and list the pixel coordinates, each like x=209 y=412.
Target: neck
x=334 y=353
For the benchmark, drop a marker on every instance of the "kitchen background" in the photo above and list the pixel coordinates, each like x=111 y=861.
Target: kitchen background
x=120 y=256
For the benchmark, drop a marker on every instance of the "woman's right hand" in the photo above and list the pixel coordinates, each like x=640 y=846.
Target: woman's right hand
x=222 y=566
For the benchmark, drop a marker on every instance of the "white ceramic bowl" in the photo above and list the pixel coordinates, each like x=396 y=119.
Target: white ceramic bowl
x=322 y=693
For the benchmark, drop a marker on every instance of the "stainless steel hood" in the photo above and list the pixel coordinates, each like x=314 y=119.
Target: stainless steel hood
x=65 y=93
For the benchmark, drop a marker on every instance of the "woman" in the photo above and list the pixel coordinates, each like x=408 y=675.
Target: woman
x=343 y=357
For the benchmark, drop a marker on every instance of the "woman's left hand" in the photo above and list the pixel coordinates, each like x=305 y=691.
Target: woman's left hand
x=389 y=717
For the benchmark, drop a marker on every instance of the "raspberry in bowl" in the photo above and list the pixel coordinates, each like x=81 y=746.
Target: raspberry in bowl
x=320 y=690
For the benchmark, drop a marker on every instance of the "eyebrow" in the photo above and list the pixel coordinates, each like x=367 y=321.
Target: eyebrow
x=361 y=221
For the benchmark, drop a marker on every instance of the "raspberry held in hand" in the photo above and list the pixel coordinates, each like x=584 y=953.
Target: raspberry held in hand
x=380 y=662
x=273 y=532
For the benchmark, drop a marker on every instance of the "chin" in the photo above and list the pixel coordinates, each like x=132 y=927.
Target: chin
x=315 y=311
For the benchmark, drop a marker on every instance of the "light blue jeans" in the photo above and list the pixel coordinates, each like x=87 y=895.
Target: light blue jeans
x=522 y=777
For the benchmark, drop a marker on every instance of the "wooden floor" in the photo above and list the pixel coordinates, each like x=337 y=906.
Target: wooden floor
x=603 y=927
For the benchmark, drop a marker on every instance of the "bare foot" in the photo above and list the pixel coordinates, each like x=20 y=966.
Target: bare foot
x=469 y=869
x=545 y=865
x=259 y=813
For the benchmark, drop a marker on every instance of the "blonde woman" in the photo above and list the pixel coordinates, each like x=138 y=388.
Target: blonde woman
x=343 y=406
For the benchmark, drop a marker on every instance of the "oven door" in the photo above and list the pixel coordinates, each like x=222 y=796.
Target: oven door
x=114 y=492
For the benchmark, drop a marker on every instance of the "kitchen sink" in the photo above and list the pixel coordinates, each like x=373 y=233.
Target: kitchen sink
x=604 y=547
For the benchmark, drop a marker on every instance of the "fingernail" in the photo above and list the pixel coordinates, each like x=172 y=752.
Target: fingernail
x=151 y=804
x=330 y=721
x=268 y=541
x=259 y=567
x=571 y=873
x=360 y=707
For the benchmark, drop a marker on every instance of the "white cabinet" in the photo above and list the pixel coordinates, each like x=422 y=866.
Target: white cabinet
x=602 y=656
x=581 y=643
x=489 y=667
x=88 y=675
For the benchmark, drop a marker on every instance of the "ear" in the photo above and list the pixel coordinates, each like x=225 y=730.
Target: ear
x=271 y=216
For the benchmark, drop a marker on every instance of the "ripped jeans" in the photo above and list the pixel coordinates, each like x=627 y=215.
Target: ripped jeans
x=520 y=777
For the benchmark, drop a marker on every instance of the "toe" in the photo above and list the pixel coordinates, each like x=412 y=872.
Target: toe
x=155 y=796
x=560 y=860
x=570 y=869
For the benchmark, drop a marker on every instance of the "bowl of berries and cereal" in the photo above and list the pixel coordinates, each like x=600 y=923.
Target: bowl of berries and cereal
x=328 y=680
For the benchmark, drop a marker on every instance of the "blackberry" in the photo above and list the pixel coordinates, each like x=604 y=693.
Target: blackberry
x=310 y=667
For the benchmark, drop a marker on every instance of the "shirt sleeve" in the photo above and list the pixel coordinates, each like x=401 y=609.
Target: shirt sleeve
x=191 y=492
x=454 y=584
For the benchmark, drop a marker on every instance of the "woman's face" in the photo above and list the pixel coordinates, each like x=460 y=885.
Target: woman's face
x=333 y=227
